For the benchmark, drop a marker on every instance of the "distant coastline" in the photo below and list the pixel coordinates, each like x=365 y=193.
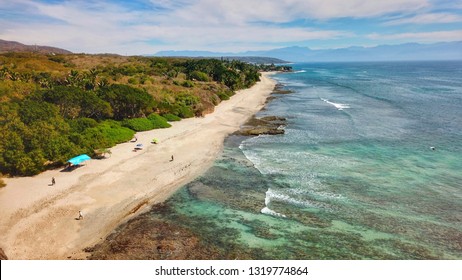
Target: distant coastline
x=402 y=52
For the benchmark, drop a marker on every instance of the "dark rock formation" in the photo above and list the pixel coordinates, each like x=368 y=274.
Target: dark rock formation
x=151 y=238
x=271 y=125
x=279 y=89
x=3 y=255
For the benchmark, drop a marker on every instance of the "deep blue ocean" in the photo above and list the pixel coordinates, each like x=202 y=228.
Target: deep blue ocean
x=370 y=167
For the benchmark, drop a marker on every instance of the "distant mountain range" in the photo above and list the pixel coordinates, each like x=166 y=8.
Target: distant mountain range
x=248 y=59
x=12 y=46
x=409 y=51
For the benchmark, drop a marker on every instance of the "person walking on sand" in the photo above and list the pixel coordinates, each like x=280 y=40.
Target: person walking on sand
x=80 y=215
x=53 y=181
x=171 y=158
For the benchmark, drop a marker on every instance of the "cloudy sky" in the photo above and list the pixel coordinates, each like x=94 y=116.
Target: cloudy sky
x=147 y=26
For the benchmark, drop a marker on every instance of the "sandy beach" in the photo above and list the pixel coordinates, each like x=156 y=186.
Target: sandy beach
x=40 y=220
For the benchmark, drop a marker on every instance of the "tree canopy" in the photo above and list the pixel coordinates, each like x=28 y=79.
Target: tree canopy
x=55 y=107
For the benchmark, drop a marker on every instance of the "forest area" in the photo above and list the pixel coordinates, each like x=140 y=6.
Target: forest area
x=54 y=107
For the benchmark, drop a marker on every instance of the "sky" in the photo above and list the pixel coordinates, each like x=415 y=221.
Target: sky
x=140 y=27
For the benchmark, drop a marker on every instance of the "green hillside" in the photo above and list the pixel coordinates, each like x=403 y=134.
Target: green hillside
x=53 y=107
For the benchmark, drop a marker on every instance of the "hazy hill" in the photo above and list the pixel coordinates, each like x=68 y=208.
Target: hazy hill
x=410 y=51
x=12 y=46
x=226 y=56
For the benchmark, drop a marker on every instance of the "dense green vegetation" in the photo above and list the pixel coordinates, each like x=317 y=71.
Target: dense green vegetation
x=153 y=121
x=53 y=107
x=273 y=67
x=171 y=117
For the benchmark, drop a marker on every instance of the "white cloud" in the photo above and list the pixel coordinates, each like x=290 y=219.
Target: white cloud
x=79 y=26
x=422 y=37
x=430 y=18
x=360 y=8
x=239 y=11
x=229 y=36
x=94 y=27
x=225 y=25
x=86 y=14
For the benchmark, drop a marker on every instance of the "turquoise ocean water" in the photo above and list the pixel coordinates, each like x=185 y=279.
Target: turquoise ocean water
x=353 y=177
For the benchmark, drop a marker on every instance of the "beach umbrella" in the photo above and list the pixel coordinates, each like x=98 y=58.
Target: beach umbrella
x=79 y=159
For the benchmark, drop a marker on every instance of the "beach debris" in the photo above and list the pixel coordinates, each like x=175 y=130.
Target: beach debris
x=138 y=147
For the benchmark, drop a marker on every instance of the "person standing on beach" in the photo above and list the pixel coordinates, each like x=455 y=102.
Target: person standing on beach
x=80 y=215
x=53 y=181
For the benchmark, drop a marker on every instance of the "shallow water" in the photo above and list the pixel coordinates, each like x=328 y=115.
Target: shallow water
x=353 y=177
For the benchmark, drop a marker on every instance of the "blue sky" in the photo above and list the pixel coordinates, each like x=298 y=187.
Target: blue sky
x=147 y=26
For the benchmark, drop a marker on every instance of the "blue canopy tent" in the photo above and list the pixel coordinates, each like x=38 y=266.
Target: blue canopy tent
x=79 y=159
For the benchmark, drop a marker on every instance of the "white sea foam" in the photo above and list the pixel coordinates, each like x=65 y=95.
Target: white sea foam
x=267 y=199
x=316 y=191
x=268 y=211
x=259 y=159
x=290 y=200
x=300 y=71
x=330 y=195
x=297 y=84
x=261 y=164
x=339 y=106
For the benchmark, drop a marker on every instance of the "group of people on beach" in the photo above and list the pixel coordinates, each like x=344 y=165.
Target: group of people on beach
x=53 y=182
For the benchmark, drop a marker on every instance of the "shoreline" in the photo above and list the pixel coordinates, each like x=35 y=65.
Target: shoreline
x=39 y=221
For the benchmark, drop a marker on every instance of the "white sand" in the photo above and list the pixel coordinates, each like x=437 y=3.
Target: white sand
x=39 y=221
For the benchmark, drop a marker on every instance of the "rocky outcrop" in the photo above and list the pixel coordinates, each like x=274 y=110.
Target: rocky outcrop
x=271 y=125
x=3 y=255
x=279 y=89
x=147 y=237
